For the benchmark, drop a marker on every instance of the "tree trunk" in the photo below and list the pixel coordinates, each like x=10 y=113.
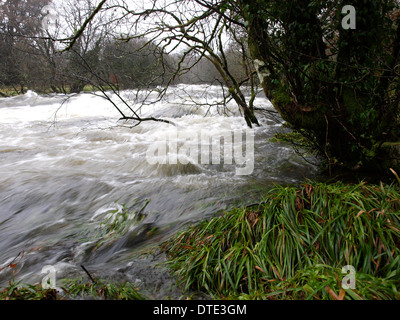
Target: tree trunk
x=345 y=109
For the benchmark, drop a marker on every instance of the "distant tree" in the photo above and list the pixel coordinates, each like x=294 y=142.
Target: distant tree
x=135 y=64
x=87 y=49
x=20 y=25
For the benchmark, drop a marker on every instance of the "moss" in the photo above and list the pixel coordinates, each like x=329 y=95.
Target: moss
x=295 y=138
x=281 y=97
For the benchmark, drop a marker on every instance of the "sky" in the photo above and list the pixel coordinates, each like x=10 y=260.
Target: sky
x=122 y=25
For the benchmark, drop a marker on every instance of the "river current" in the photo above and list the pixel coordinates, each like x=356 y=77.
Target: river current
x=69 y=169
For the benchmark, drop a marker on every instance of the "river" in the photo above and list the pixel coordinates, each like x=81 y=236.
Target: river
x=69 y=167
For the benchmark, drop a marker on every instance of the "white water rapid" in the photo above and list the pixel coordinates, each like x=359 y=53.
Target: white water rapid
x=67 y=167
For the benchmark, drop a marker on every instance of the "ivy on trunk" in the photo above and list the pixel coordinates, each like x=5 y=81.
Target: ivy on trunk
x=340 y=87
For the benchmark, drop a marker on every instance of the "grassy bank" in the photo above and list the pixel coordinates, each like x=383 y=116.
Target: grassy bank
x=294 y=245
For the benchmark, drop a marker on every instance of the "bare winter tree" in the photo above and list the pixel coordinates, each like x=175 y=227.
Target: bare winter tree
x=71 y=14
x=194 y=31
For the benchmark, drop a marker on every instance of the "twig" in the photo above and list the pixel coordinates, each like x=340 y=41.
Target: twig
x=87 y=272
x=326 y=146
x=14 y=262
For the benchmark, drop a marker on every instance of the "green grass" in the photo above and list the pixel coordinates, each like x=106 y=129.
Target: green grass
x=72 y=290
x=18 y=291
x=101 y=290
x=294 y=245
x=10 y=92
x=295 y=138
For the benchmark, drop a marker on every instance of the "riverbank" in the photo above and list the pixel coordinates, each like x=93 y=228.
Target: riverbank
x=295 y=244
x=292 y=246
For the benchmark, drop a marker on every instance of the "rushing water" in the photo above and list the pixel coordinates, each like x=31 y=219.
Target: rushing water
x=65 y=168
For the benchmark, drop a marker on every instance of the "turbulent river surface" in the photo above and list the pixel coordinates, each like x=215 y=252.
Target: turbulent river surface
x=77 y=187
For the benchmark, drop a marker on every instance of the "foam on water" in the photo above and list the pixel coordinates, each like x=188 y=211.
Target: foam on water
x=64 y=163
